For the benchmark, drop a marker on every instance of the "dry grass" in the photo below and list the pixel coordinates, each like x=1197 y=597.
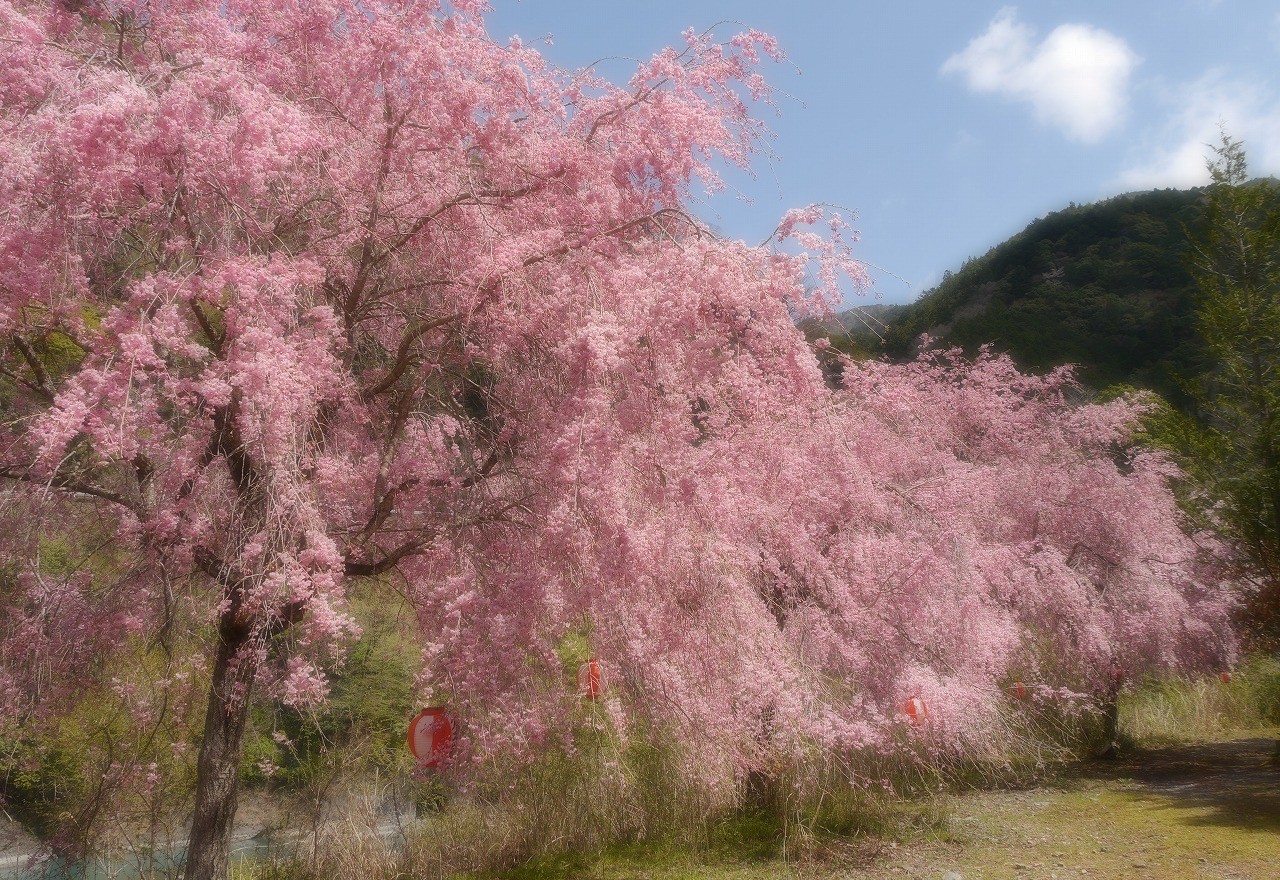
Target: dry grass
x=1177 y=710
x=611 y=811
x=633 y=806
x=1204 y=811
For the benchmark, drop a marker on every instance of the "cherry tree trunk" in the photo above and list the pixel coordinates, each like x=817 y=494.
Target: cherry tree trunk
x=217 y=771
x=1111 y=723
x=760 y=787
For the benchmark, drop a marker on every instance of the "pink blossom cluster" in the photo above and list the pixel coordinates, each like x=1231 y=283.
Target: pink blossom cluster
x=299 y=295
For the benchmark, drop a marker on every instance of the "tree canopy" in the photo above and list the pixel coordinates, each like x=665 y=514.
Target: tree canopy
x=1235 y=259
x=299 y=296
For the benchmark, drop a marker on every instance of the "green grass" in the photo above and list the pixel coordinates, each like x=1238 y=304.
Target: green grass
x=1178 y=710
x=1201 y=811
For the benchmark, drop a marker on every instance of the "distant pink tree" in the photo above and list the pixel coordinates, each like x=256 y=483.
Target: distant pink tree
x=804 y=562
x=294 y=294
x=947 y=527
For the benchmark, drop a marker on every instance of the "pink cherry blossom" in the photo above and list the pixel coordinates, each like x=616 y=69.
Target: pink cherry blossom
x=304 y=298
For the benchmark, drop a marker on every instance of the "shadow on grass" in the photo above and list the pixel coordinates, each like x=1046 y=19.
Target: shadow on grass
x=1236 y=783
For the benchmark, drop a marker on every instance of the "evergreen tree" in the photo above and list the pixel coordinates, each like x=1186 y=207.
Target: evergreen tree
x=1235 y=259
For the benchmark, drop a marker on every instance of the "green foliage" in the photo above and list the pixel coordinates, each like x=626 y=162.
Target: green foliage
x=36 y=362
x=1259 y=681
x=119 y=753
x=1235 y=260
x=1161 y=711
x=748 y=834
x=361 y=727
x=39 y=783
x=573 y=650
x=58 y=556
x=1103 y=286
x=271 y=869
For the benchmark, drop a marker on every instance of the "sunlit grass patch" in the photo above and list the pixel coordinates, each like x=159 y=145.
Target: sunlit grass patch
x=1178 y=710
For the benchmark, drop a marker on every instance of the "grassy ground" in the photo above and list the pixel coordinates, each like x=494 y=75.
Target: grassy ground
x=1208 y=810
x=1198 y=801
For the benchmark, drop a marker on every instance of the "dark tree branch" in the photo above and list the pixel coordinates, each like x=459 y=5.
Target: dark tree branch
x=411 y=336
x=383 y=508
x=221 y=572
x=493 y=197
x=69 y=484
x=615 y=230
x=26 y=383
x=354 y=568
x=473 y=478
x=215 y=339
x=42 y=384
x=230 y=445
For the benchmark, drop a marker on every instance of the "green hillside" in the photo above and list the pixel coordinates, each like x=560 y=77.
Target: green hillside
x=1102 y=285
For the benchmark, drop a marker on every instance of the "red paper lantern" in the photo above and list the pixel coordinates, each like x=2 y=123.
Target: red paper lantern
x=431 y=736
x=590 y=679
x=1018 y=690
x=916 y=710
x=1226 y=677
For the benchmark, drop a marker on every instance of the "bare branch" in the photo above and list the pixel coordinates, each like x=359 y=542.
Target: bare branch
x=472 y=479
x=230 y=445
x=215 y=339
x=354 y=568
x=69 y=484
x=412 y=335
x=42 y=384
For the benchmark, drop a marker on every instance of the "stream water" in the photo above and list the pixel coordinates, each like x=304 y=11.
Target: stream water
x=165 y=861
x=161 y=862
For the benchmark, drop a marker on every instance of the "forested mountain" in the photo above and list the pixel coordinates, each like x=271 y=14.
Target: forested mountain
x=1102 y=285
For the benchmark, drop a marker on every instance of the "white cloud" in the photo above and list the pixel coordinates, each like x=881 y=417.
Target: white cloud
x=1249 y=111
x=1077 y=78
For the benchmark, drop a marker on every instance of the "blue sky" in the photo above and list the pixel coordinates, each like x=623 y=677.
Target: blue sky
x=948 y=126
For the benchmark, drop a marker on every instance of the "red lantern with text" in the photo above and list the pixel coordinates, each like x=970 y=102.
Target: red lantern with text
x=431 y=736
x=916 y=710
x=1226 y=677
x=1018 y=691
x=590 y=679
